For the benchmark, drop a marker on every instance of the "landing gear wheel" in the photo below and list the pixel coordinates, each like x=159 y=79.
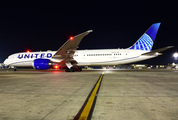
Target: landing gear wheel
x=72 y=69
x=67 y=70
x=80 y=69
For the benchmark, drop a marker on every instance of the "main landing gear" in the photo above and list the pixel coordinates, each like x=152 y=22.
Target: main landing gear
x=73 y=69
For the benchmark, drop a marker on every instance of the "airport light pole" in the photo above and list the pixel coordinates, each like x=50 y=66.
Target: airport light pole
x=175 y=56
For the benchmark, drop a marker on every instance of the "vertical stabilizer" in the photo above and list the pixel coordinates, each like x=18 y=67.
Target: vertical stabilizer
x=145 y=42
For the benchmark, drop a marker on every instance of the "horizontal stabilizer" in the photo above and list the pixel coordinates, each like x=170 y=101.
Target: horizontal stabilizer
x=158 y=50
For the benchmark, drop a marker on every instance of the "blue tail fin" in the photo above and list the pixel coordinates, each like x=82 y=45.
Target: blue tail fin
x=145 y=42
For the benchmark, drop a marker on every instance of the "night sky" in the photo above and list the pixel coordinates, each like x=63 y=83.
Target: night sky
x=46 y=25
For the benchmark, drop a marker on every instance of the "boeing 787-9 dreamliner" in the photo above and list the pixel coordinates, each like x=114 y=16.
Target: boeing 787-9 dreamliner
x=69 y=57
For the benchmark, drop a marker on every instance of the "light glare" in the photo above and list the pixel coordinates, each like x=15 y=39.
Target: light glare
x=175 y=55
x=71 y=38
x=56 y=67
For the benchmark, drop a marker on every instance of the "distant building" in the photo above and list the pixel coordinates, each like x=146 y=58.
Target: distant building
x=157 y=66
x=139 y=66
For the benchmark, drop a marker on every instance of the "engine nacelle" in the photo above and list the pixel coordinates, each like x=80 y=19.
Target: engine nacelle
x=41 y=64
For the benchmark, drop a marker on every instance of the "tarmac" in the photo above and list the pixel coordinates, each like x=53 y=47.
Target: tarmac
x=57 y=95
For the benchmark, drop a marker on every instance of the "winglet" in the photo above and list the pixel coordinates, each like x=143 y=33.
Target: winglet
x=90 y=31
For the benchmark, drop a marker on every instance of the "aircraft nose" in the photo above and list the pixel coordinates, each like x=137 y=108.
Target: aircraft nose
x=6 y=62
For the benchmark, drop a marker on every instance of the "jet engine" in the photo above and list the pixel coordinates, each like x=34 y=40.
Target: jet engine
x=41 y=64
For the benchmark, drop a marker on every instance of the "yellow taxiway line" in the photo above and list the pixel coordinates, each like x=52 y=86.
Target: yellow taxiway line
x=87 y=109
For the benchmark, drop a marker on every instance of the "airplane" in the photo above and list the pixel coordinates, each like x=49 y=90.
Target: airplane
x=72 y=59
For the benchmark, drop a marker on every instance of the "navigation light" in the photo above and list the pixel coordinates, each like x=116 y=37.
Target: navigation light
x=71 y=38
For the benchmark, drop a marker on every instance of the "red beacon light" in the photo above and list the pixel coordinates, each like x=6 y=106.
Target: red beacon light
x=56 y=67
x=28 y=51
x=71 y=38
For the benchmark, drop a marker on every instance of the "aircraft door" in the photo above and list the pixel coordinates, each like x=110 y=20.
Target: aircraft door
x=83 y=55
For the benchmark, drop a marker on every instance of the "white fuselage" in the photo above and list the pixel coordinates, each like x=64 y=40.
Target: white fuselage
x=83 y=57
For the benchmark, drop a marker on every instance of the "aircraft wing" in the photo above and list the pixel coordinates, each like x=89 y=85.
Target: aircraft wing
x=158 y=50
x=67 y=50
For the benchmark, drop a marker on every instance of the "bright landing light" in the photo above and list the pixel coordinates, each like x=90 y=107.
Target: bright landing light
x=175 y=55
x=56 y=67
